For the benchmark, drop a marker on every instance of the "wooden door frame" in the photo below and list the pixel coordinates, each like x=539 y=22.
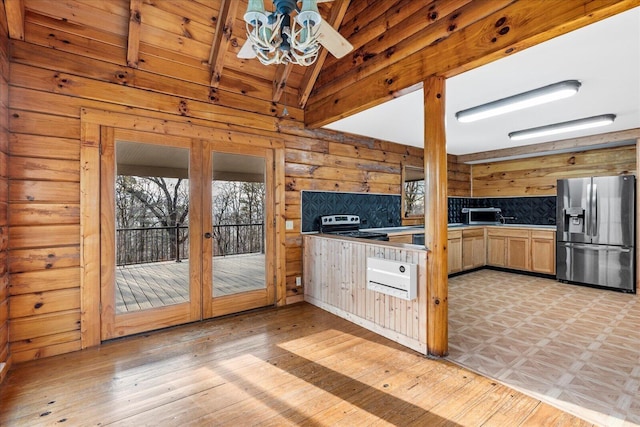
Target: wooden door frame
x=93 y=123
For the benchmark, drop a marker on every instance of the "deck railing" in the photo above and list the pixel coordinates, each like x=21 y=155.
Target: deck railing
x=155 y=244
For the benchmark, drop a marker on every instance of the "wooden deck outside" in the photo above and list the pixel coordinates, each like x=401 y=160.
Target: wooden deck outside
x=296 y=365
x=143 y=286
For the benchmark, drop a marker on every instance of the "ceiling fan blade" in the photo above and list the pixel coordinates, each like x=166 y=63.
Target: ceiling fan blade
x=333 y=41
x=246 y=51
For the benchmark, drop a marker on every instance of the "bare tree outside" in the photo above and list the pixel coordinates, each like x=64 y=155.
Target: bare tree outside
x=151 y=203
x=414 y=197
x=152 y=218
x=238 y=217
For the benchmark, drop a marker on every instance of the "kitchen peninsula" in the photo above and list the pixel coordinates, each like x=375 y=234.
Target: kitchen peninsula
x=335 y=271
x=335 y=279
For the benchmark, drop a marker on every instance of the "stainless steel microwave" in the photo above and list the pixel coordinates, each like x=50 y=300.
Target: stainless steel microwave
x=480 y=216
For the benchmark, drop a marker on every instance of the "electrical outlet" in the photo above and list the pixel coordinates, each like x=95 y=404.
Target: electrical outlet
x=298 y=281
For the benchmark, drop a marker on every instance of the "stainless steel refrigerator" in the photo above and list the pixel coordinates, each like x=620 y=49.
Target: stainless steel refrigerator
x=596 y=233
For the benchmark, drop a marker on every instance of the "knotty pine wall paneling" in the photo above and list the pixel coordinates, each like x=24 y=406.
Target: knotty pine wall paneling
x=458 y=177
x=537 y=176
x=5 y=356
x=333 y=163
x=54 y=74
x=48 y=89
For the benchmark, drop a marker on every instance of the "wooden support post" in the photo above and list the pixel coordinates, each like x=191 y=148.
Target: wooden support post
x=435 y=168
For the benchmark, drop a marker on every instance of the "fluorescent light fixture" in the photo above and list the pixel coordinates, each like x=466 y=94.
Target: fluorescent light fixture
x=573 y=125
x=528 y=99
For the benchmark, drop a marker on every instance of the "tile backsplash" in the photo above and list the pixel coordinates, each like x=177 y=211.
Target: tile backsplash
x=374 y=210
x=384 y=210
x=527 y=210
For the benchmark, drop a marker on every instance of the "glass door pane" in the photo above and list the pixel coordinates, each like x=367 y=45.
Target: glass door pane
x=238 y=217
x=152 y=226
x=238 y=229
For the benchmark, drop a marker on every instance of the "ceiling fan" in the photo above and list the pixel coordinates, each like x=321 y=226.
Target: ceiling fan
x=279 y=38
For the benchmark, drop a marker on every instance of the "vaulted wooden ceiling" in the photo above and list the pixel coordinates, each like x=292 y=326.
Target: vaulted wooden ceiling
x=189 y=47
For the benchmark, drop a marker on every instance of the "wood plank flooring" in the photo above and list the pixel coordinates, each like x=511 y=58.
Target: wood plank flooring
x=296 y=365
x=144 y=286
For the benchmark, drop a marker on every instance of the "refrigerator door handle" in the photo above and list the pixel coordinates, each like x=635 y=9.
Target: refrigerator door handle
x=594 y=210
x=587 y=217
x=595 y=247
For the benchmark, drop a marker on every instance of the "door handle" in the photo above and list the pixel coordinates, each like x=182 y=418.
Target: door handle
x=594 y=210
x=597 y=248
x=208 y=235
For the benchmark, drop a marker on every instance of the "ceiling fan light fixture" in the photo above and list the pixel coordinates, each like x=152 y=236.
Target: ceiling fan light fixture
x=539 y=96
x=277 y=39
x=289 y=35
x=256 y=13
x=556 y=128
x=309 y=14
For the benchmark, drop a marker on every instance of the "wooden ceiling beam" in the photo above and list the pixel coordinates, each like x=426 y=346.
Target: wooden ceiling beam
x=513 y=28
x=14 y=9
x=222 y=39
x=383 y=39
x=133 y=41
x=338 y=10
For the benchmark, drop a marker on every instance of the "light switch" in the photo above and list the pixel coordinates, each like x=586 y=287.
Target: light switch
x=288 y=225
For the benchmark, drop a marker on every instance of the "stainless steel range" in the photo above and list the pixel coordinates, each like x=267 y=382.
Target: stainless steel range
x=348 y=226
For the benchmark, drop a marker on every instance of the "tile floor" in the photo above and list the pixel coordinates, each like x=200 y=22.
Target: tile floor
x=575 y=347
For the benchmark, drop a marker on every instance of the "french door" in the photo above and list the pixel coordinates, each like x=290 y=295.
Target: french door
x=238 y=273
x=169 y=254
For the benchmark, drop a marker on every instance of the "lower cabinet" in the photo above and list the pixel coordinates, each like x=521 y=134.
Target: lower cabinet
x=401 y=238
x=521 y=249
x=454 y=250
x=508 y=248
x=543 y=251
x=496 y=250
x=473 y=249
x=518 y=251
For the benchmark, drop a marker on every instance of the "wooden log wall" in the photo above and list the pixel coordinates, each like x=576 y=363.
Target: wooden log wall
x=5 y=360
x=57 y=70
x=48 y=88
x=336 y=280
x=537 y=176
x=458 y=177
x=344 y=164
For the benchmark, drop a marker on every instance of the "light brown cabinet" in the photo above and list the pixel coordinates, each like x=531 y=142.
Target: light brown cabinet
x=473 y=248
x=543 y=251
x=508 y=248
x=518 y=251
x=454 y=250
x=521 y=249
x=496 y=250
x=514 y=248
x=401 y=238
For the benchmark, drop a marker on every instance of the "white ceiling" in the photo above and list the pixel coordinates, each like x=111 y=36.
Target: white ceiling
x=604 y=56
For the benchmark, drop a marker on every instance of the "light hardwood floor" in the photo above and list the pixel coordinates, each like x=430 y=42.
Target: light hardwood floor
x=296 y=365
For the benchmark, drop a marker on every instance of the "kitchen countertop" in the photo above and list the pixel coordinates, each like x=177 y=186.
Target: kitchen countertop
x=416 y=229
